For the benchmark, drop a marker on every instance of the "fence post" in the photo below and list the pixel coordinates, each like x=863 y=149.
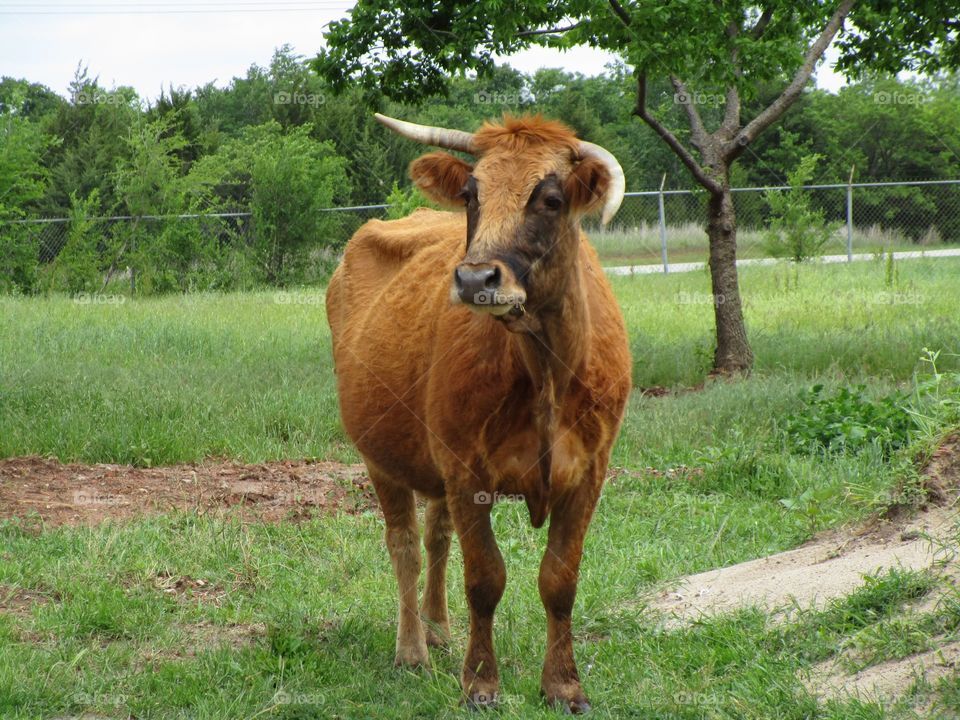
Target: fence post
x=850 y=215
x=663 y=227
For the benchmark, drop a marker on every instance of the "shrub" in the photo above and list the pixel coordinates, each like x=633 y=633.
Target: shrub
x=796 y=231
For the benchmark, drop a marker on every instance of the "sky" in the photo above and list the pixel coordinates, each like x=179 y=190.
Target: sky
x=149 y=45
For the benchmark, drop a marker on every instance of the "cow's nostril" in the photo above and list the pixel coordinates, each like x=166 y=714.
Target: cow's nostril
x=492 y=281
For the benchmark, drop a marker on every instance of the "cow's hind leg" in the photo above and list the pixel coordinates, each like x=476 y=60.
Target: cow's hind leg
x=485 y=577
x=403 y=542
x=559 y=572
x=437 y=531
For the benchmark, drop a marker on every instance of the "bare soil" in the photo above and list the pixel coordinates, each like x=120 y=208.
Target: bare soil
x=833 y=565
x=47 y=492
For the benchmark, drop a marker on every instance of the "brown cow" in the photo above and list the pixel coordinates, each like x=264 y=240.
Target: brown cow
x=481 y=354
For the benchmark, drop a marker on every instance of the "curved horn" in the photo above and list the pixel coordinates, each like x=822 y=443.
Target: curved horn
x=429 y=135
x=618 y=183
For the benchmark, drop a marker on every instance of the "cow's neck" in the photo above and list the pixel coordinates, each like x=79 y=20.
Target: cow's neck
x=551 y=339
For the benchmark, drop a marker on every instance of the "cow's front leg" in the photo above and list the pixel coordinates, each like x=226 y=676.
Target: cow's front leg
x=559 y=571
x=484 y=578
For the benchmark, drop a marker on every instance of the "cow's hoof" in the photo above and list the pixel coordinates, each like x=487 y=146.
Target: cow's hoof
x=437 y=637
x=412 y=658
x=575 y=705
x=482 y=700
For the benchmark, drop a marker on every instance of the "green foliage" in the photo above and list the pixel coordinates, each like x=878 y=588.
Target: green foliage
x=849 y=421
x=77 y=265
x=403 y=201
x=796 y=230
x=286 y=179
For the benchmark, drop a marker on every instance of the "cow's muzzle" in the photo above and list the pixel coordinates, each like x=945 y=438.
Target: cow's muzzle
x=482 y=287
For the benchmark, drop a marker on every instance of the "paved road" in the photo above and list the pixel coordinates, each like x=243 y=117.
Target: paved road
x=692 y=267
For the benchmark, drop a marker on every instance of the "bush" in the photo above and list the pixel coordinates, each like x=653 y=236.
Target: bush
x=848 y=421
x=77 y=265
x=403 y=201
x=796 y=231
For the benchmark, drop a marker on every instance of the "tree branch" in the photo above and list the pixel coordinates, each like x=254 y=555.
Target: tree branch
x=698 y=133
x=731 y=108
x=756 y=32
x=528 y=33
x=621 y=13
x=778 y=107
x=681 y=152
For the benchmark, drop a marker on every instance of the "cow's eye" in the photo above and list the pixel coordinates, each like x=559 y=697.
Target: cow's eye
x=553 y=202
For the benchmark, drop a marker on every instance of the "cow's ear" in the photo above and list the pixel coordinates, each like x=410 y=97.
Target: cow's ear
x=441 y=177
x=587 y=185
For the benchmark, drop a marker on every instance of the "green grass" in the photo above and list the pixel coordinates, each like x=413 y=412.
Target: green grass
x=296 y=620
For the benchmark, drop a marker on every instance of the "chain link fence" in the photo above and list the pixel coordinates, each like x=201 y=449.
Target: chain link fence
x=864 y=218
x=651 y=228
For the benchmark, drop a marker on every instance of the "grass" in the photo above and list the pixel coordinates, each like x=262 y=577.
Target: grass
x=296 y=620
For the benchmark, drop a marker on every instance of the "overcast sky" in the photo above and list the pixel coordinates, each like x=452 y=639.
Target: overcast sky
x=147 y=45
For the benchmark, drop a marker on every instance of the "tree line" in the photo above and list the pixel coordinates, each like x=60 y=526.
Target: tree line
x=278 y=144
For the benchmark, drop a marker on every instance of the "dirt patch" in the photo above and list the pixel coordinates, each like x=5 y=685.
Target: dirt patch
x=886 y=680
x=49 y=493
x=833 y=564
x=20 y=601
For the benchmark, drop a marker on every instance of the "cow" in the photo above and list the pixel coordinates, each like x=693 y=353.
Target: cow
x=480 y=354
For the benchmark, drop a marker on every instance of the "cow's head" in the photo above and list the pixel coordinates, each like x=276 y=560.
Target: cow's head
x=524 y=196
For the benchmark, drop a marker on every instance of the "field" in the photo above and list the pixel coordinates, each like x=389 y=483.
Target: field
x=204 y=612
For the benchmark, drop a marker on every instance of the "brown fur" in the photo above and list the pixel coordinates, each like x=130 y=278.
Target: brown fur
x=456 y=405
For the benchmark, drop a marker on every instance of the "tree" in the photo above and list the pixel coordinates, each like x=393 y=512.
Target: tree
x=285 y=180
x=716 y=56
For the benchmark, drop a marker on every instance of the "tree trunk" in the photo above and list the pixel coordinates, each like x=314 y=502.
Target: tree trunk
x=733 y=353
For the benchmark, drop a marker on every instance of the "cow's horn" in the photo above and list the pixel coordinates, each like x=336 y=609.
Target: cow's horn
x=618 y=183
x=429 y=135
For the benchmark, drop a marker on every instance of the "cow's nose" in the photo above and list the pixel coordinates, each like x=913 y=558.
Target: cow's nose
x=476 y=283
